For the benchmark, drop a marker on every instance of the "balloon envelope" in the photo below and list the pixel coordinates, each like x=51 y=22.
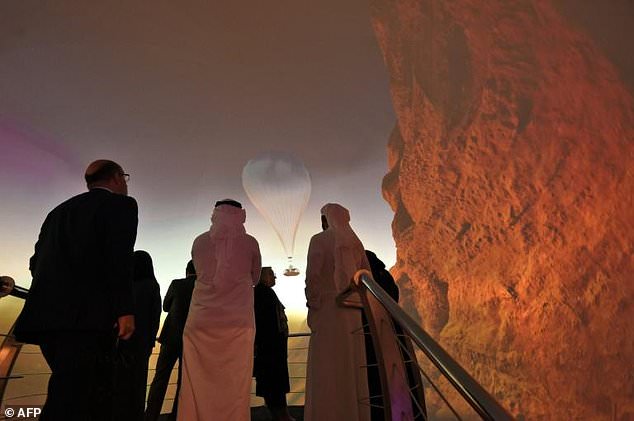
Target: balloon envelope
x=279 y=186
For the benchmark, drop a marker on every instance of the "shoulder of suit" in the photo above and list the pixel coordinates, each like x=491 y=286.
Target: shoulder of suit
x=178 y=285
x=113 y=198
x=78 y=197
x=127 y=200
x=70 y=203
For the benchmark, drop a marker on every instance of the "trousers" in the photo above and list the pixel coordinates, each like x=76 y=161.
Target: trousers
x=82 y=380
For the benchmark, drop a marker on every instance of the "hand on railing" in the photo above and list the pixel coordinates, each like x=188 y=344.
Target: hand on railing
x=8 y=287
x=472 y=392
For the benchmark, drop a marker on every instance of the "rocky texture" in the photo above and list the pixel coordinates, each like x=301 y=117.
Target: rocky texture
x=511 y=181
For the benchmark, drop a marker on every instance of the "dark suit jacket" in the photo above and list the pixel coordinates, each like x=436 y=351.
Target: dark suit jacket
x=176 y=304
x=82 y=267
x=147 y=316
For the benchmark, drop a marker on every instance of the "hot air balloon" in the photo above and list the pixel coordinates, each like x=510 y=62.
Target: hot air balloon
x=278 y=185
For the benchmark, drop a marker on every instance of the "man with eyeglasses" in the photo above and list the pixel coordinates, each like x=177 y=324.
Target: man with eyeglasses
x=80 y=303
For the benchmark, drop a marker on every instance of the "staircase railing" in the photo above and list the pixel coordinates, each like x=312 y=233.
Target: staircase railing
x=9 y=347
x=389 y=325
x=393 y=333
x=10 y=350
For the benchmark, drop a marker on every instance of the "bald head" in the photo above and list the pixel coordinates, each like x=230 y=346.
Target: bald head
x=107 y=174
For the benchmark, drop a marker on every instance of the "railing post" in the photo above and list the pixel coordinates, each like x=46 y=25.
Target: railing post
x=473 y=393
x=9 y=351
x=397 y=402
x=10 y=348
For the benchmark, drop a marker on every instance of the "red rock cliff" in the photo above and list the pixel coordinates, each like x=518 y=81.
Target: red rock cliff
x=511 y=182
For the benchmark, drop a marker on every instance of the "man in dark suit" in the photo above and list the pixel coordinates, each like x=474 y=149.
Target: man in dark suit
x=176 y=304
x=81 y=302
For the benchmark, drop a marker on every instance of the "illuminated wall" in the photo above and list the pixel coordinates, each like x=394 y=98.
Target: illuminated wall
x=511 y=179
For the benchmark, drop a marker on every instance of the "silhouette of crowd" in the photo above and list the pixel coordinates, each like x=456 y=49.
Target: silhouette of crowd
x=94 y=308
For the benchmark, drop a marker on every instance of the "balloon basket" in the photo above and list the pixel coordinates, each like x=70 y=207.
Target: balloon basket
x=291 y=271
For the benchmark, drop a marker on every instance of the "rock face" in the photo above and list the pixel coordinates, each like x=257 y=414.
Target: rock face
x=511 y=181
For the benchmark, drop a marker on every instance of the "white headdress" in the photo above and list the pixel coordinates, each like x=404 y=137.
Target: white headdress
x=349 y=252
x=227 y=224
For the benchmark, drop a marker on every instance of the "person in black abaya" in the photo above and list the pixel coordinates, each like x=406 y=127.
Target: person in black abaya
x=133 y=355
x=382 y=276
x=385 y=281
x=271 y=352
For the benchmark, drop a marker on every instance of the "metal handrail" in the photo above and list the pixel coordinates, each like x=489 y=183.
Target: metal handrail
x=475 y=395
x=10 y=348
x=21 y=292
x=8 y=287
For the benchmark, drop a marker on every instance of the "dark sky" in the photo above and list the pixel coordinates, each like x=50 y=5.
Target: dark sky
x=183 y=94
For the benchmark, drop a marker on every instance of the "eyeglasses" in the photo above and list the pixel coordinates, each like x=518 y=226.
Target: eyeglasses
x=126 y=177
